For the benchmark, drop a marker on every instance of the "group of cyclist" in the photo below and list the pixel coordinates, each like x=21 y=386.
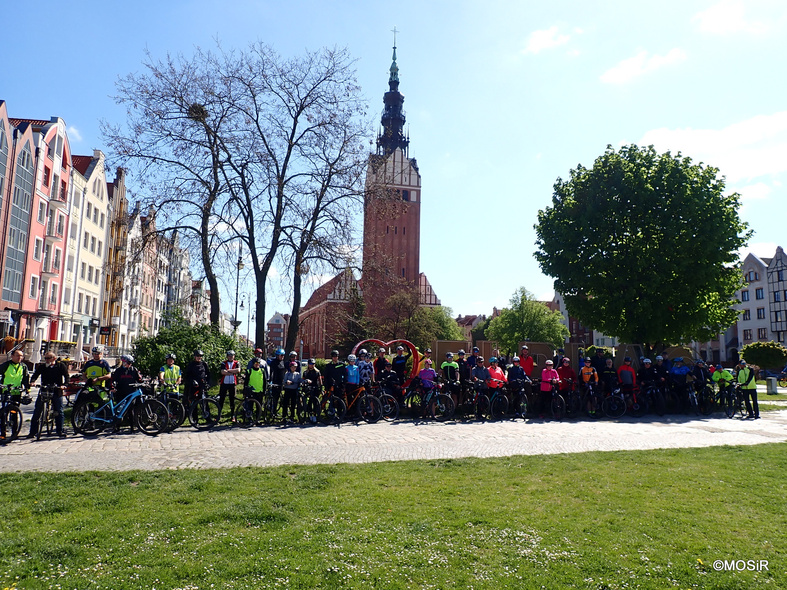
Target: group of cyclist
x=460 y=375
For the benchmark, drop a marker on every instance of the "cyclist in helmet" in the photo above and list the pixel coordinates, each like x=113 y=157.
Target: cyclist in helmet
x=427 y=355
x=365 y=367
x=352 y=377
x=399 y=363
x=334 y=376
x=474 y=357
x=169 y=374
x=464 y=366
x=497 y=377
x=526 y=361
x=278 y=368
x=196 y=377
x=229 y=371
x=96 y=370
x=379 y=363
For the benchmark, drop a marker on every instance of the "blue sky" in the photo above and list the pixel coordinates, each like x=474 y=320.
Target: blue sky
x=502 y=98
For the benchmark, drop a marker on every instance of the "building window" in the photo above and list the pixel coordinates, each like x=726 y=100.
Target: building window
x=86 y=241
x=779 y=275
x=89 y=209
x=759 y=293
x=93 y=244
x=747 y=334
x=33 y=287
x=98 y=249
x=405 y=195
x=70 y=265
x=93 y=311
x=74 y=230
x=79 y=302
x=744 y=295
x=95 y=215
x=53 y=293
x=752 y=276
x=777 y=296
x=777 y=315
x=41 y=218
x=38 y=248
x=762 y=333
x=89 y=274
x=47 y=174
x=746 y=315
x=102 y=221
x=760 y=313
x=67 y=296
x=84 y=270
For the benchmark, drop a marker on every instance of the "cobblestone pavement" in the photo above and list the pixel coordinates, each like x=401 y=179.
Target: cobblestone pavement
x=363 y=443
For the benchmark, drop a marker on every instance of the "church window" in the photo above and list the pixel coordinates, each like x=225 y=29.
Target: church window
x=395 y=228
x=403 y=272
x=405 y=195
x=404 y=230
x=387 y=228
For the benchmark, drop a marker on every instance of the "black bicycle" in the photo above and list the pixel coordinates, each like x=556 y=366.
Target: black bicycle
x=248 y=412
x=11 y=416
x=46 y=421
x=204 y=410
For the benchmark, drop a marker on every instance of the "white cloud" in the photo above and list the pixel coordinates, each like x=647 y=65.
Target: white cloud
x=640 y=64
x=728 y=16
x=755 y=192
x=759 y=249
x=545 y=39
x=74 y=134
x=743 y=151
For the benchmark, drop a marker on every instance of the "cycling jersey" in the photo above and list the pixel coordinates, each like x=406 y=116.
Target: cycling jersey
x=96 y=368
x=547 y=376
x=450 y=370
x=15 y=374
x=256 y=380
x=588 y=374
x=496 y=375
x=353 y=374
x=171 y=374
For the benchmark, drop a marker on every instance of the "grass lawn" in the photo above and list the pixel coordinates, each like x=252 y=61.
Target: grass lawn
x=644 y=519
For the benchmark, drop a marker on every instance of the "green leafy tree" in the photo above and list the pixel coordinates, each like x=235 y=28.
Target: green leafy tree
x=526 y=319
x=403 y=317
x=183 y=339
x=767 y=355
x=643 y=246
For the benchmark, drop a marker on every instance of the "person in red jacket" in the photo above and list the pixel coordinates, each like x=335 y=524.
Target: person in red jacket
x=526 y=361
x=627 y=376
x=497 y=378
x=568 y=376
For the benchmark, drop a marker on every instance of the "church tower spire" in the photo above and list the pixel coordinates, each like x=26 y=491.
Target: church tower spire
x=392 y=134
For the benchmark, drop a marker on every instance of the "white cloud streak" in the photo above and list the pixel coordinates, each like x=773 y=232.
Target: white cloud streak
x=642 y=63
x=545 y=39
x=727 y=17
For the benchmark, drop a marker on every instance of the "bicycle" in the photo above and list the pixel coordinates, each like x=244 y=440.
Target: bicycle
x=498 y=402
x=414 y=398
x=518 y=396
x=614 y=405
x=332 y=408
x=572 y=398
x=367 y=407
x=707 y=400
x=46 y=421
x=440 y=405
x=591 y=400
x=150 y=414
x=248 y=412
x=308 y=403
x=652 y=397
x=11 y=416
x=388 y=400
x=204 y=410
x=169 y=395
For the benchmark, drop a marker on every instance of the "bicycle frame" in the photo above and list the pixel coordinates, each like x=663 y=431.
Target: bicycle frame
x=117 y=411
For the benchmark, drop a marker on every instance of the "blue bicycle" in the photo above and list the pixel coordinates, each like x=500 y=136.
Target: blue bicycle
x=150 y=415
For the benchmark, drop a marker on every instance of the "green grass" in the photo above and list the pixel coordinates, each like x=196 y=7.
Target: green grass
x=644 y=519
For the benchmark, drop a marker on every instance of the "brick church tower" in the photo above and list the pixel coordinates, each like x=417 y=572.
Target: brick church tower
x=392 y=209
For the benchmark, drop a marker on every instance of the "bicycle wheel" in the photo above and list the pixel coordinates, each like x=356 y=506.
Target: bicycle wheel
x=414 y=404
x=44 y=422
x=613 y=406
x=782 y=382
x=729 y=404
x=639 y=406
x=707 y=401
x=558 y=407
x=248 y=413
x=369 y=409
x=334 y=410
x=176 y=413
x=390 y=407
x=308 y=409
x=442 y=407
x=498 y=407
x=152 y=417
x=204 y=413
x=482 y=406
x=573 y=404
x=13 y=418
x=88 y=419
x=271 y=409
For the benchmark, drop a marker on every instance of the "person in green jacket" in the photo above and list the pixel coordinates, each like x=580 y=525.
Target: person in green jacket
x=255 y=379
x=746 y=378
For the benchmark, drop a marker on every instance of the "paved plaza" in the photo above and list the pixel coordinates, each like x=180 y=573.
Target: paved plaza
x=364 y=443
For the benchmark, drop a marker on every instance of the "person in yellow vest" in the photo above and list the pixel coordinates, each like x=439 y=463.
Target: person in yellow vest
x=746 y=378
x=255 y=379
x=170 y=374
x=15 y=373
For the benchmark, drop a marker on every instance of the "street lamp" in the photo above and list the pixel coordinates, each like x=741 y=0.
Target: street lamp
x=235 y=322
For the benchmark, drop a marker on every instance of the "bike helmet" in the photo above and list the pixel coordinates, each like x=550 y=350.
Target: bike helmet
x=492 y=359
x=449 y=355
x=293 y=354
x=293 y=364
x=549 y=363
x=718 y=367
x=311 y=361
x=524 y=347
x=480 y=359
x=127 y=358
x=170 y=355
x=659 y=358
x=428 y=362
x=257 y=351
x=743 y=362
x=678 y=359
x=588 y=359
x=475 y=349
x=461 y=352
x=230 y=353
x=381 y=349
x=198 y=352
x=352 y=357
x=362 y=352
x=256 y=361
x=96 y=350
x=646 y=361
x=428 y=350
x=334 y=353
x=398 y=348
x=566 y=359
x=279 y=351
x=515 y=359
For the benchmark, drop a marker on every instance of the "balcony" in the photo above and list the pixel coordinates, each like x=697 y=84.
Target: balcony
x=54 y=232
x=44 y=305
x=58 y=201
x=52 y=269
x=115 y=321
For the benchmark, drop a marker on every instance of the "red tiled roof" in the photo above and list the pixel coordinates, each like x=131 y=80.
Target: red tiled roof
x=81 y=163
x=322 y=292
x=34 y=122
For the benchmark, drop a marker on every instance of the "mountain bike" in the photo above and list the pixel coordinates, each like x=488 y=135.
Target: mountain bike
x=204 y=410
x=169 y=395
x=614 y=405
x=439 y=405
x=518 y=397
x=572 y=398
x=332 y=407
x=389 y=403
x=307 y=405
x=653 y=398
x=591 y=399
x=707 y=400
x=151 y=416
x=498 y=402
x=46 y=421
x=249 y=411
x=365 y=406
x=11 y=416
